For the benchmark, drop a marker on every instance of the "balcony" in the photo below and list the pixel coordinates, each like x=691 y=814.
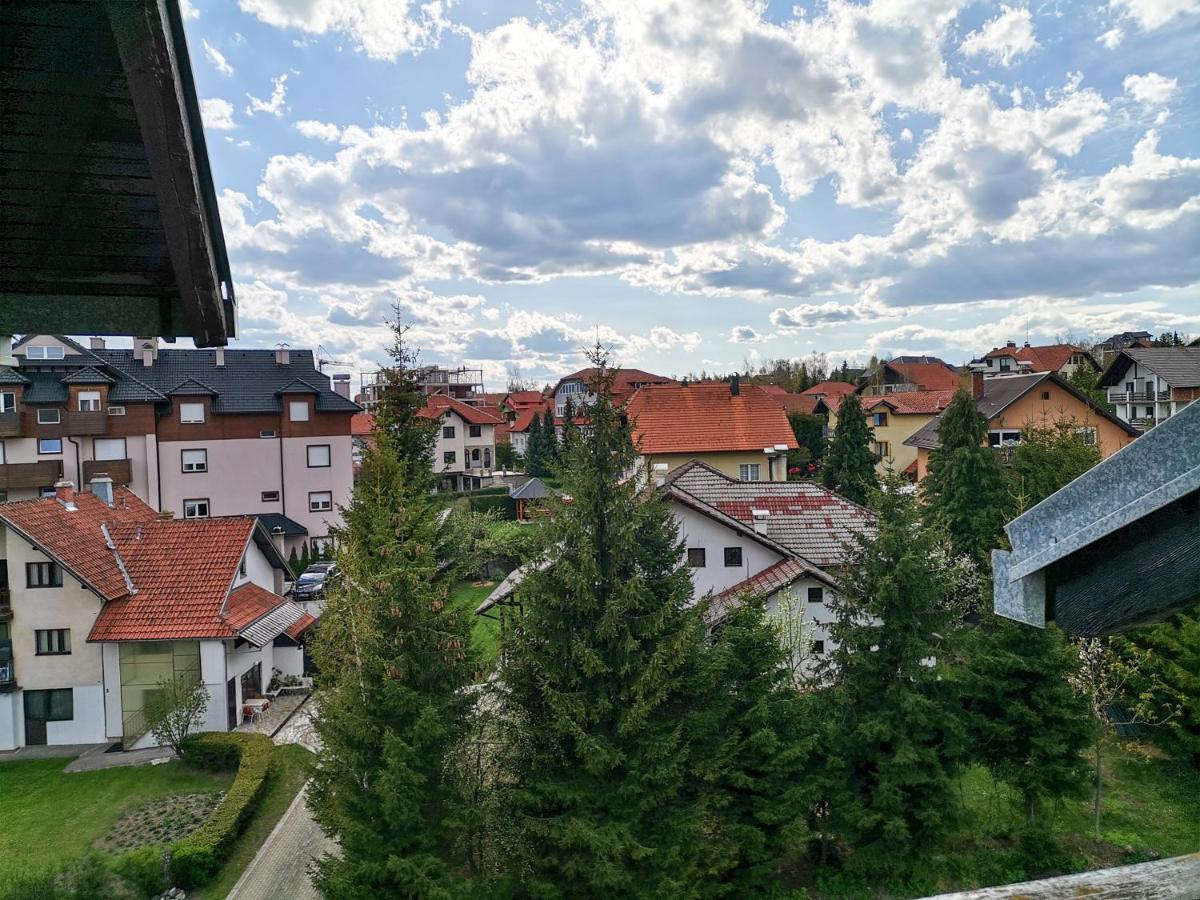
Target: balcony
x=5 y=604
x=10 y=424
x=119 y=470
x=1143 y=396
x=86 y=422
x=15 y=476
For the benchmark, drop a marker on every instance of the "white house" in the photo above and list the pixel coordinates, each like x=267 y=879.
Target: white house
x=466 y=442
x=104 y=598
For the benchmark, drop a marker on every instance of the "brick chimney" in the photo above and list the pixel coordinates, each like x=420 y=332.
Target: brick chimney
x=64 y=492
x=283 y=355
x=976 y=383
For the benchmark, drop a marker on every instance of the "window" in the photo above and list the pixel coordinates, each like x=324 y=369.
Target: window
x=49 y=416
x=733 y=557
x=879 y=419
x=448 y=457
x=43 y=575
x=447 y=431
x=8 y=402
x=49 y=445
x=194 y=460
x=298 y=410
x=475 y=430
x=816 y=595
x=270 y=496
x=195 y=509
x=57 y=705
x=1045 y=395
x=748 y=472
x=883 y=449
x=44 y=352
x=318 y=456
x=116 y=410
x=1087 y=434
x=999 y=438
x=53 y=641
x=89 y=401
x=319 y=501
x=818 y=648
x=269 y=433
x=474 y=454
x=191 y=413
x=47 y=491
x=696 y=557
x=1005 y=365
x=1149 y=412
x=108 y=448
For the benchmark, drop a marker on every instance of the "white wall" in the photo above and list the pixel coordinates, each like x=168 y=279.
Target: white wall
x=816 y=617
x=239 y=470
x=698 y=530
x=212 y=673
x=12 y=718
x=111 y=653
x=88 y=725
x=456 y=444
x=289 y=660
x=299 y=480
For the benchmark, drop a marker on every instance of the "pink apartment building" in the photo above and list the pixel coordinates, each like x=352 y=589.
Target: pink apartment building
x=199 y=433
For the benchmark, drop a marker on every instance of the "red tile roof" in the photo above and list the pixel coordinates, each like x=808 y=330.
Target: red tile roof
x=928 y=376
x=773 y=389
x=519 y=400
x=918 y=403
x=76 y=538
x=1047 y=358
x=525 y=417
x=300 y=626
x=829 y=389
x=437 y=405
x=772 y=579
x=625 y=381
x=705 y=418
x=362 y=423
x=797 y=403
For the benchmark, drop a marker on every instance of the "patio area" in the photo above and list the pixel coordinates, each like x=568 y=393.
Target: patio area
x=271 y=719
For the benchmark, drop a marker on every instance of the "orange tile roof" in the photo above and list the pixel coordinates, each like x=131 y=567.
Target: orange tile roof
x=519 y=400
x=625 y=381
x=912 y=403
x=300 y=626
x=525 y=417
x=705 y=418
x=829 y=389
x=362 y=423
x=247 y=603
x=797 y=403
x=773 y=389
x=1046 y=358
x=932 y=376
x=438 y=404
x=76 y=538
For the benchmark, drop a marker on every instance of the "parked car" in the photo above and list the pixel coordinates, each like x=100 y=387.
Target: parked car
x=311 y=583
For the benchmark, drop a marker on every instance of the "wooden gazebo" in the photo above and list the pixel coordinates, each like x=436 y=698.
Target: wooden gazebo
x=108 y=217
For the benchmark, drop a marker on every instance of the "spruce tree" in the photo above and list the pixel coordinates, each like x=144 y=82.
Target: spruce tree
x=849 y=461
x=605 y=682
x=894 y=737
x=537 y=457
x=393 y=657
x=964 y=489
x=410 y=436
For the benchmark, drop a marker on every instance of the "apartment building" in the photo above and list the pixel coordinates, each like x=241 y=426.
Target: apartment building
x=198 y=433
x=103 y=597
x=1149 y=385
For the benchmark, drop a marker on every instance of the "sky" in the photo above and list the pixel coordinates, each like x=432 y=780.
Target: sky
x=701 y=184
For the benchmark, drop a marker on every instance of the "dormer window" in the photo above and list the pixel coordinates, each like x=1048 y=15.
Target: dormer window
x=89 y=401
x=33 y=352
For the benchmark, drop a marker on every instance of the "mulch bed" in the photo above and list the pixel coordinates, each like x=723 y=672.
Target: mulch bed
x=159 y=821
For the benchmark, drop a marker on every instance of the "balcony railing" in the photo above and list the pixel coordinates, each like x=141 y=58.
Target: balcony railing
x=119 y=470
x=86 y=422
x=15 y=476
x=1119 y=396
x=10 y=424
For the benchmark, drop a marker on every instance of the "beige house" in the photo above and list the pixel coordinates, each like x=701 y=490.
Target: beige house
x=465 y=451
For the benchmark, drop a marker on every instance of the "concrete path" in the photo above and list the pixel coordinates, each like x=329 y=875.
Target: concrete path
x=99 y=758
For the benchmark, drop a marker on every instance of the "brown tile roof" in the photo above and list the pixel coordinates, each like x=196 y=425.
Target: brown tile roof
x=362 y=423
x=76 y=538
x=525 y=417
x=771 y=579
x=1046 y=358
x=300 y=626
x=911 y=402
x=829 y=389
x=706 y=418
x=798 y=403
x=928 y=376
x=437 y=405
x=773 y=389
x=519 y=400
x=625 y=381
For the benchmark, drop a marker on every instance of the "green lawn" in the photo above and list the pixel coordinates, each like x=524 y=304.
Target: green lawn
x=291 y=766
x=485 y=632
x=51 y=816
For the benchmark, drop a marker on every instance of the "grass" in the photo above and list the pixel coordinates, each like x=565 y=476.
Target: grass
x=1151 y=809
x=291 y=766
x=485 y=632
x=51 y=816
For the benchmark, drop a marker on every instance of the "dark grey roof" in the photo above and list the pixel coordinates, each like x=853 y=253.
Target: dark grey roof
x=289 y=527
x=44 y=387
x=1177 y=366
x=190 y=387
x=62 y=338
x=298 y=386
x=533 y=489
x=87 y=375
x=10 y=376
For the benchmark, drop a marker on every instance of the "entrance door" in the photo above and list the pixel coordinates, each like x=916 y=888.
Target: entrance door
x=35 y=721
x=231 y=703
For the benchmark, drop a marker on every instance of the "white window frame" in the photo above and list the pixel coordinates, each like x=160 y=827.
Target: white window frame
x=1004 y=435
x=194 y=466
x=44 y=351
x=269 y=497
x=2 y=456
x=298 y=406
x=319 y=504
x=188 y=413
x=97 y=442
x=192 y=508
x=55 y=421
x=1088 y=435
x=745 y=470
x=328 y=456
x=86 y=399
x=268 y=433
x=116 y=410
x=8 y=401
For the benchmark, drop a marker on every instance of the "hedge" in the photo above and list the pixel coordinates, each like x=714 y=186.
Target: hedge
x=197 y=857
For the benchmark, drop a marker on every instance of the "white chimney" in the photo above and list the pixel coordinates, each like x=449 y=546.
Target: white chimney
x=219 y=357
x=96 y=343
x=6 y=354
x=283 y=355
x=146 y=349
x=64 y=492
x=102 y=487
x=660 y=474
x=760 y=520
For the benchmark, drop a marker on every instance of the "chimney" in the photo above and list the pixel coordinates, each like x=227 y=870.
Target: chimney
x=96 y=343
x=976 y=383
x=146 y=349
x=102 y=487
x=219 y=357
x=6 y=354
x=277 y=540
x=283 y=355
x=341 y=384
x=1011 y=345
x=760 y=520
x=64 y=492
x=735 y=386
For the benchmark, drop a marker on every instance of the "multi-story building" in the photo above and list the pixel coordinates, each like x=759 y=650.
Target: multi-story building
x=909 y=373
x=463 y=384
x=198 y=433
x=1148 y=385
x=465 y=451
x=1010 y=359
x=103 y=597
x=894 y=418
x=579 y=388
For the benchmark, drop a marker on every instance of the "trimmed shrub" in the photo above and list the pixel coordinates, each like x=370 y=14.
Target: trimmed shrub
x=145 y=869
x=197 y=857
x=502 y=503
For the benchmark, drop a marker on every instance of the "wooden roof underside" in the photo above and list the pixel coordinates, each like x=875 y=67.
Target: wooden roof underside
x=108 y=216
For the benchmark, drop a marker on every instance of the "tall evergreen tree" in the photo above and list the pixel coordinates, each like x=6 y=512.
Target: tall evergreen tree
x=537 y=462
x=392 y=652
x=849 y=461
x=410 y=437
x=894 y=738
x=965 y=490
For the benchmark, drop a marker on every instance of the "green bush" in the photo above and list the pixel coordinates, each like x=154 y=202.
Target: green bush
x=86 y=878
x=145 y=869
x=504 y=505
x=197 y=857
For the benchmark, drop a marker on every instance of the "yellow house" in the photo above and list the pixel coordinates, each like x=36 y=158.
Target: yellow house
x=738 y=429
x=897 y=417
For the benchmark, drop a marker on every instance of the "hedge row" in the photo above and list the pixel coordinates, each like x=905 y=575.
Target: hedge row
x=197 y=857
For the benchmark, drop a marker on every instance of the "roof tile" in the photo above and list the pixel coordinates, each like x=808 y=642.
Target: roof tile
x=706 y=418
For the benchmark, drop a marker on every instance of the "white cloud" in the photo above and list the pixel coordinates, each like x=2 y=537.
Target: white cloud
x=321 y=131
x=745 y=334
x=188 y=10
x=1150 y=89
x=1003 y=38
x=1112 y=38
x=663 y=338
x=217 y=114
x=383 y=29
x=1153 y=14
x=274 y=106
x=217 y=59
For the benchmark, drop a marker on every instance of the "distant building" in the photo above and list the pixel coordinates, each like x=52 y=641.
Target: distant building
x=1149 y=385
x=463 y=383
x=1062 y=359
x=909 y=373
x=579 y=388
x=465 y=451
x=895 y=418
